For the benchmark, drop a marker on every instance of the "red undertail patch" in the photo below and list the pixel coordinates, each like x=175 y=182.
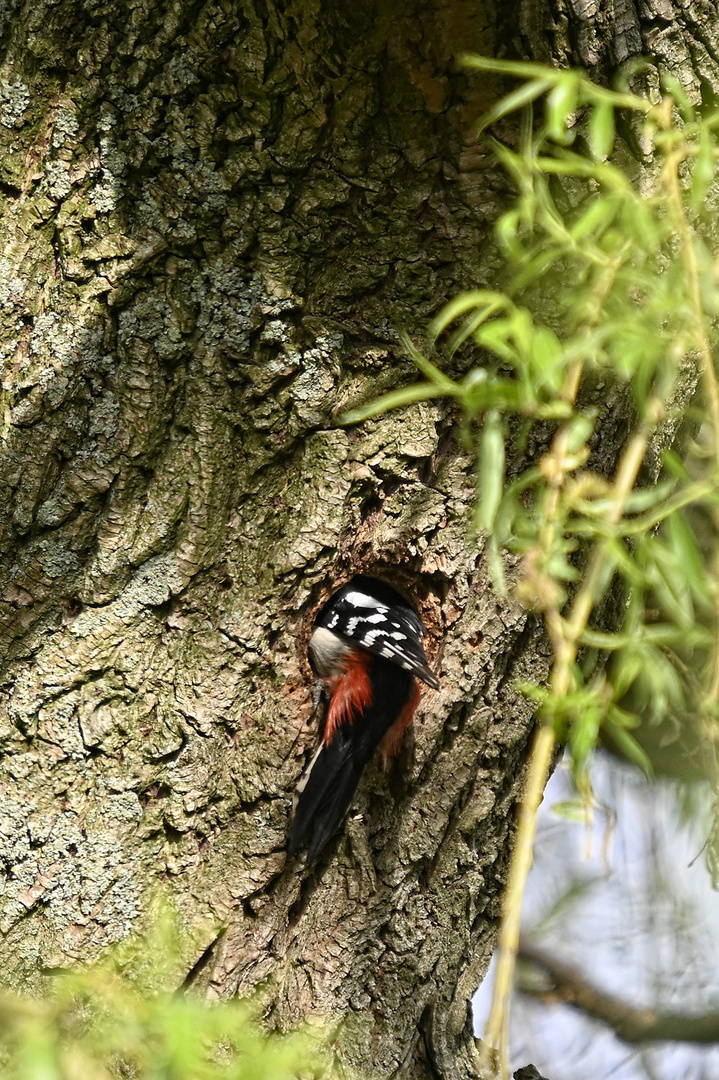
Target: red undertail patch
x=393 y=738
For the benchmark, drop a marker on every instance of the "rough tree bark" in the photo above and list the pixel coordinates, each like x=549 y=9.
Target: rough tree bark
x=215 y=216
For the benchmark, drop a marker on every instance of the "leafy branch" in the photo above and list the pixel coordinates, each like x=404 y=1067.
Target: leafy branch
x=610 y=284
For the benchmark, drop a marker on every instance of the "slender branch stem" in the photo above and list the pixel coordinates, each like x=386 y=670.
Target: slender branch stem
x=497 y=1032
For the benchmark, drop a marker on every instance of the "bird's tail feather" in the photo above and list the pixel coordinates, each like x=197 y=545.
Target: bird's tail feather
x=324 y=795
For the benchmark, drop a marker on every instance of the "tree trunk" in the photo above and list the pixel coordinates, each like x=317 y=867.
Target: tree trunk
x=215 y=218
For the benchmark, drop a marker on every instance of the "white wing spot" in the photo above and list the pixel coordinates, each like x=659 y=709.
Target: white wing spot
x=359 y=599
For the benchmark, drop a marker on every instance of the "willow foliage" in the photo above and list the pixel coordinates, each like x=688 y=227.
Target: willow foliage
x=612 y=283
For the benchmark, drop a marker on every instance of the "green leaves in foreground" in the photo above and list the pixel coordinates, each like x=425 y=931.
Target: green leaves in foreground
x=98 y=1025
x=609 y=285
x=94 y=1027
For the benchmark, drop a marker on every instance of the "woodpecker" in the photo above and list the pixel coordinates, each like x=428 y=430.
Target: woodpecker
x=366 y=649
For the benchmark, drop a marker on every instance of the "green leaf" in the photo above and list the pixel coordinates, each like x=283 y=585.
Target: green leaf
x=561 y=569
x=671 y=85
x=498 y=338
x=395 y=399
x=540 y=694
x=491 y=472
x=644 y=498
x=670 y=587
x=601 y=129
x=689 y=557
x=677 y=636
x=514 y=101
x=516 y=166
x=479 y=392
x=675 y=465
x=625 y=669
x=596 y=217
x=607 y=175
x=553 y=410
x=584 y=732
x=507 y=233
x=466 y=329
x=522 y=69
x=625 y=563
x=485 y=300
x=427 y=368
x=548 y=357
x=702 y=490
x=496 y=568
x=561 y=104
x=661 y=684
x=639 y=223
x=596 y=639
x=579 y=430
x=627 y=744
x=576 y=810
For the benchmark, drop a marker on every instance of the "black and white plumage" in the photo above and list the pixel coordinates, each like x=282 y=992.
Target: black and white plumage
x=366 y=649
x=370 y=613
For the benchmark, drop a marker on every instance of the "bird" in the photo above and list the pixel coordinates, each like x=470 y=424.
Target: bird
x=367 y=654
